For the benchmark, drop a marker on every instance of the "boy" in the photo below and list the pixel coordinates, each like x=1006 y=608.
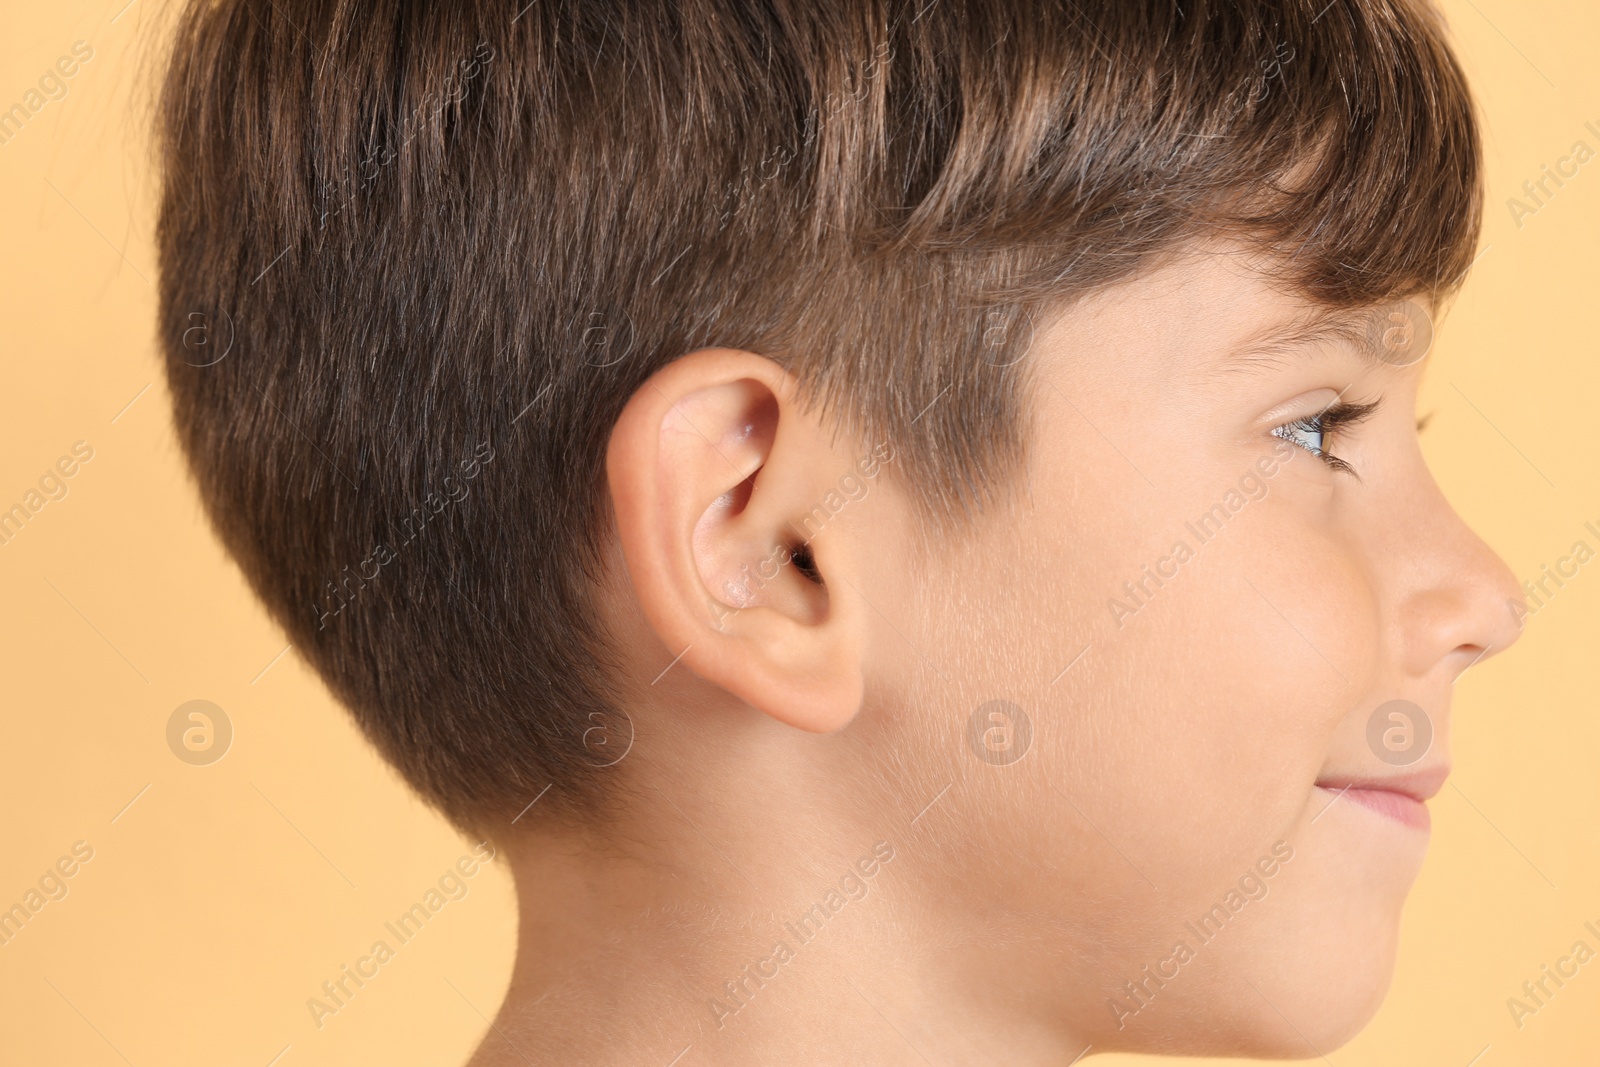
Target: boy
x=903 y=522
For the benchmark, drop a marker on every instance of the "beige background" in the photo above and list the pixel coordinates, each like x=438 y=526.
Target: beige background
x=220 y=897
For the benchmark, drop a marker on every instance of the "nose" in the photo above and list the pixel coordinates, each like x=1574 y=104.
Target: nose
x=1464 y=603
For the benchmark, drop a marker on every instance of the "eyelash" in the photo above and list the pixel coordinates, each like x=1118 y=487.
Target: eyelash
x=1324 y=423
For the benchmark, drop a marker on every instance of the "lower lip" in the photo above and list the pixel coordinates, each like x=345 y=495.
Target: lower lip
x=1408 y=811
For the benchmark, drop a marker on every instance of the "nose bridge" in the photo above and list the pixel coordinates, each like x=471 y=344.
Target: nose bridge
x=1458 y=592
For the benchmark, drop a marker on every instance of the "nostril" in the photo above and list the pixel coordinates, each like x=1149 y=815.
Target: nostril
x=1480 y=653
x=805 y=563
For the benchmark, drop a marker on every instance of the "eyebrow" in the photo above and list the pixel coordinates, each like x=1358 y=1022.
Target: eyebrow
x=1279 y=344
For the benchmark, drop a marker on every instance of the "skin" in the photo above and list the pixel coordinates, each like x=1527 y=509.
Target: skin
x=783 y=728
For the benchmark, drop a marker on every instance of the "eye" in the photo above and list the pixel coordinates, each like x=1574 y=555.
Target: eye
x=1312 y=433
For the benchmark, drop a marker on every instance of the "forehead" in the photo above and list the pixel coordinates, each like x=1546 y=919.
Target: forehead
x=1223 y=310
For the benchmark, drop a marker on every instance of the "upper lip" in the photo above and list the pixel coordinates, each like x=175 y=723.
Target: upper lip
x=1418 y=785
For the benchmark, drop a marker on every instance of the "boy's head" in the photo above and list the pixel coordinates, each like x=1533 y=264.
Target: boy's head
x=951 y=423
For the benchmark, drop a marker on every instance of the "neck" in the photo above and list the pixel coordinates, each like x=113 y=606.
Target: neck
x=780 y=932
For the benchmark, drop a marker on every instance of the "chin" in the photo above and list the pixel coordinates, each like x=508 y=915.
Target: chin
x=1318 y=996
x=1296 y=987
x=1301 y=1017
x=1325 y=959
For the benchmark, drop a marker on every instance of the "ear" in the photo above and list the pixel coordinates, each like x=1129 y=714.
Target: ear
x=714 y=468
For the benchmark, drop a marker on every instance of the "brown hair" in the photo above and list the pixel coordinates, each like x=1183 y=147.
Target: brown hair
x=448 y=240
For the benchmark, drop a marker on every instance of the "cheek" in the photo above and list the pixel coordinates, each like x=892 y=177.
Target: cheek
x=1176 y=746
x=1239 y=673
x=1200 y=713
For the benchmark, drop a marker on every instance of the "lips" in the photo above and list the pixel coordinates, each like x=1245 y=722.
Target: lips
x=1401 y=797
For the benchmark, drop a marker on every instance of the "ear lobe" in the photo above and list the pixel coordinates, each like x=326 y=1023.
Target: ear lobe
x=711 y=465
